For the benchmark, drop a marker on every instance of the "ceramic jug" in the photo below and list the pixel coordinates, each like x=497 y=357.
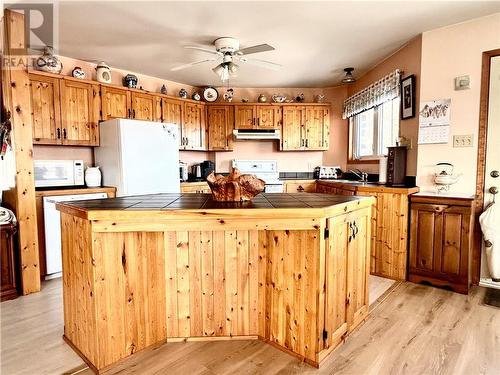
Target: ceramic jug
x=93 y=177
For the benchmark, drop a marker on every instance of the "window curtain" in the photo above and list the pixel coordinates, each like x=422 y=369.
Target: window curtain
x=377 y=93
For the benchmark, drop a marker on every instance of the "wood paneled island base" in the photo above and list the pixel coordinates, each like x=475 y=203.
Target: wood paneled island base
x=289 y=269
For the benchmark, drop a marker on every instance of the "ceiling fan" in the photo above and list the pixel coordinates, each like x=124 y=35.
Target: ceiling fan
x=227 y=52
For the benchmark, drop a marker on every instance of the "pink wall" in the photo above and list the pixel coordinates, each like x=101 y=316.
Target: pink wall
x=449 y=52
x=337 y=153
x=407 y=58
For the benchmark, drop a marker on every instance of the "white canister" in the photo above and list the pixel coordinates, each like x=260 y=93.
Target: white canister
x=382 y=170
x=93 y=177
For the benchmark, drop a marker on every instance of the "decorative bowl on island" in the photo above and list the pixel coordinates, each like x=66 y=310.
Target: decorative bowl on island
x=236 y=187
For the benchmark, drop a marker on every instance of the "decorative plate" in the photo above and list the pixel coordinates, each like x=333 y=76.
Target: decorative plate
x=210 y=94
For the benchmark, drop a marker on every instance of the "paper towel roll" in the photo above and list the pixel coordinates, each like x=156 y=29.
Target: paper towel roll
x=382 y=170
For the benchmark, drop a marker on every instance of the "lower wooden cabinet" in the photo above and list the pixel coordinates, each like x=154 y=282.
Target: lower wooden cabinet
x=347 y=268
x=195 y=187
x=8 y=285
x=441 y=241
x=294 y=186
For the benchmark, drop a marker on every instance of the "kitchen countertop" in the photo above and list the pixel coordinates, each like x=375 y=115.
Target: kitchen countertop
x=205 y=201
x=370 y=186
x=444 y=195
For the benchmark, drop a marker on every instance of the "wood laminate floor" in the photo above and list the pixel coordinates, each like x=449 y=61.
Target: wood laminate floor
x=415 y=329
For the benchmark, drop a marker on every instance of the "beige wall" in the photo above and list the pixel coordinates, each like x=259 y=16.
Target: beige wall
x=407 y=59
x=337 y=153
x=447 y=53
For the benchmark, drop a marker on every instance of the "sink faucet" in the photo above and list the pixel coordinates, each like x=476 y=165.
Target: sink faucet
x=363 y=176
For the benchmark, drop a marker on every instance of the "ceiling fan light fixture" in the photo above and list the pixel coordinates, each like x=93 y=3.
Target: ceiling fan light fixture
x=233 y=68
x=218 y=69
x=348 y=76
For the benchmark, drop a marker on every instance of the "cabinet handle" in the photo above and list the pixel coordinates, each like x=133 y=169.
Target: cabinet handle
x=258 y=121
x=133 y=113
x=300 y=188
x=64 y=134
x=307 y=143
x=58 y=133
x=301 y=143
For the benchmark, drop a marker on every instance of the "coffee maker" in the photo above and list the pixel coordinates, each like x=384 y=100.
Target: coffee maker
x=207 y=167
x=195 y=173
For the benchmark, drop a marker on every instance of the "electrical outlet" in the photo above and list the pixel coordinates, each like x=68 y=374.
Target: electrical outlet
x=462 y=140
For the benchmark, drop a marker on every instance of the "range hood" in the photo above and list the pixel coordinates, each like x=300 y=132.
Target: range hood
x=250 y=134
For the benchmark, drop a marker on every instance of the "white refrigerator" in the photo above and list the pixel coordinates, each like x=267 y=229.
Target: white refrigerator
x=138 y=157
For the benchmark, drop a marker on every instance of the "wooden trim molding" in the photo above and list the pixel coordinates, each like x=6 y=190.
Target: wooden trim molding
x=22 y=197
x=481 y=161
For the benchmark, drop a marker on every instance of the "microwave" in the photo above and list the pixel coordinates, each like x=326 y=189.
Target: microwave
x=50 y=173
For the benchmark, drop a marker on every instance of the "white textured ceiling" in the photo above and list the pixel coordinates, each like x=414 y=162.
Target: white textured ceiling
x=314 y=40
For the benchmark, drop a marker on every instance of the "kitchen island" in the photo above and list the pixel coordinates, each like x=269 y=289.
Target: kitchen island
x=288 y=269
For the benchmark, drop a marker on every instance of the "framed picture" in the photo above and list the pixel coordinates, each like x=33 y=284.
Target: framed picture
x=408 y=97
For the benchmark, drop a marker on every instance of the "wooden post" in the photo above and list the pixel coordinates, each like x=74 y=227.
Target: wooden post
x=21 y=199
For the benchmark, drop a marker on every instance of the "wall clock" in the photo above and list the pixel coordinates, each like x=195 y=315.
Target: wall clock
x=210 y=94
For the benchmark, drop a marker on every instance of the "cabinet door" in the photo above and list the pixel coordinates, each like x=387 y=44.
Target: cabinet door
x=115 y=103
x=358 y=266
x=145 y=107
x=244 y=116
x=307 y=187
x=440 y=241
x=316 y=127
x=80 y=106
x=291 y=133
x=172 y=112
x=193 y=128
x=45 y=109
x=268 y=117
x=219 y=127
x=336 y=280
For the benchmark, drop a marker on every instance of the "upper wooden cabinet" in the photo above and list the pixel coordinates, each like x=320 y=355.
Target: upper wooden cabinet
x=193 y=127
x=257 y=116
x=80 y=106
x=115 y=103
x=120 y=102
x=220 y=127
x=317 y=127
x=305 y=127
x=172 y=111
x=145 y=106
x=441 y=241
x=45 y=109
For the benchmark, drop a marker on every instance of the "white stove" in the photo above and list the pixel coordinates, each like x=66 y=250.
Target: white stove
x=266 y=170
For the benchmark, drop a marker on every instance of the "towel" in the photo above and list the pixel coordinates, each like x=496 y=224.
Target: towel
x=490 y=225
x=7 y=216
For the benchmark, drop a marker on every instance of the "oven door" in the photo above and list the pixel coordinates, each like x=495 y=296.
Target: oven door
x=54 y=173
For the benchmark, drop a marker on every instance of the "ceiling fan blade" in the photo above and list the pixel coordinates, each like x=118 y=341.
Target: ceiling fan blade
x=255 y=49
x=263 y=63
x=203 y=50
x=184 y=66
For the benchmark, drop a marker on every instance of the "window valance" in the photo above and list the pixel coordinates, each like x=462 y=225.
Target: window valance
x=386 y=88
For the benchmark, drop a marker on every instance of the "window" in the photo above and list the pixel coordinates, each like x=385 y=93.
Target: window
x=375 y=129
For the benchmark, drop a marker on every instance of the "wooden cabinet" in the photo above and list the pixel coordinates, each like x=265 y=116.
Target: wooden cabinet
x=115 y=102
x=317 y=127
x=123 y=103
x=257 y=116
x=8 y=285
x=305 y=128
x=329 y=188
x=347 y=253
x=295 y=186
x=193 y=135
x=45 y=109
x=195 y=187
x=441 y=241
x=80 y=107
x=145 y=106
x=220 y=120
x=172 y=111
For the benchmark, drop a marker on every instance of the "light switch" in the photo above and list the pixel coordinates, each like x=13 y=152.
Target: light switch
x=462 y=83
x=463 y=140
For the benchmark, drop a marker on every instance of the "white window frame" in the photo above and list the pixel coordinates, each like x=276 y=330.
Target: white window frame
x=377 y=152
